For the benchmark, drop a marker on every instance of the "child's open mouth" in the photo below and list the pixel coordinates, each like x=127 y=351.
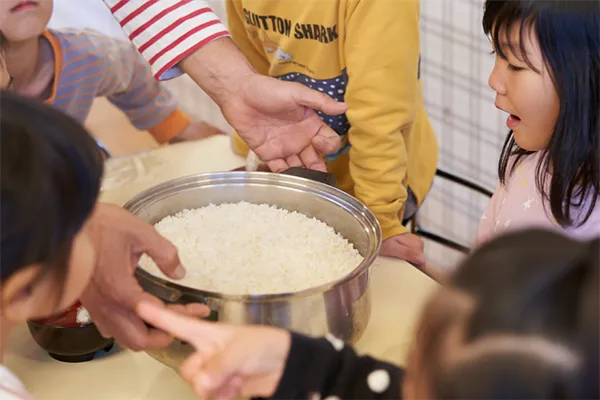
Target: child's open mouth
x=24 y=6
x=513 y=121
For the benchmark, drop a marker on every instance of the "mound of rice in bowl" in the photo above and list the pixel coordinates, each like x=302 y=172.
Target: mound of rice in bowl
x=257 y=249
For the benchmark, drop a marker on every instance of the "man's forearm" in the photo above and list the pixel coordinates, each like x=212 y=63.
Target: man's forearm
x=218 y=68
x=160 y=30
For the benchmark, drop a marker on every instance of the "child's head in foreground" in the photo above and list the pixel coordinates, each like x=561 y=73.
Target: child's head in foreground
x=547 y=76
x=518 y=320
x=50 y=179
x=24 y=20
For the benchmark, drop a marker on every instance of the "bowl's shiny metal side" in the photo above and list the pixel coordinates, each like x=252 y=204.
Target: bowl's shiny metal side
x=344 y=311
x=341 y=308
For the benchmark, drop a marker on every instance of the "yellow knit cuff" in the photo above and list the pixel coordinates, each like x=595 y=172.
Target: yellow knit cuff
x=393 y=230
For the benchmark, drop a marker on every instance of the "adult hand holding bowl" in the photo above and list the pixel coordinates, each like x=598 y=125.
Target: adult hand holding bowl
x=120 y=239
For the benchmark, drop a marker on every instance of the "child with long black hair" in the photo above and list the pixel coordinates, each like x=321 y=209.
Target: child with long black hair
x=547 y=78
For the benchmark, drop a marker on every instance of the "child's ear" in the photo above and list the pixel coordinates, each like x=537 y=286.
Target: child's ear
x=17 y=300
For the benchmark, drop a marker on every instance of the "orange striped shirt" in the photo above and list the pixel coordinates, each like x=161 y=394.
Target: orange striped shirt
x=89 y=64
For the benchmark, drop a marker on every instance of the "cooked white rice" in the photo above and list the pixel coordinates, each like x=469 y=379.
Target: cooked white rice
x=246 y=248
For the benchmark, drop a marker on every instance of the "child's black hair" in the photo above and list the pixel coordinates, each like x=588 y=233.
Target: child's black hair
x=50 y=179
x=533 y=287
x=568 y=32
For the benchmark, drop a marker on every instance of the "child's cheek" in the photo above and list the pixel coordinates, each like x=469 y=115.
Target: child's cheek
x=5 y=7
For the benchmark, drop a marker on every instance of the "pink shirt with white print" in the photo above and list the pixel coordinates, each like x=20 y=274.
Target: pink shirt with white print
x=519 y=205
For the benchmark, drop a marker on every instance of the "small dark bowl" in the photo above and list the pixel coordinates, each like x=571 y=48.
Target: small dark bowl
x=78 y=343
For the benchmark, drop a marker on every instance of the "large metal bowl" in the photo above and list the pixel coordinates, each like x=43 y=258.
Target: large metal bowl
x=341 y=308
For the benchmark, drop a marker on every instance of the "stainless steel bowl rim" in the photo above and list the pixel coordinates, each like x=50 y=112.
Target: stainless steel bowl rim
x=341 y=198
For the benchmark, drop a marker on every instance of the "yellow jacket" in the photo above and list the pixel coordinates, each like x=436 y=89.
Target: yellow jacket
x=366 y=53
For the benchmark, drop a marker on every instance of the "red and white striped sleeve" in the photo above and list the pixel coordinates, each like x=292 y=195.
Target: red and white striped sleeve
x=167 y=31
